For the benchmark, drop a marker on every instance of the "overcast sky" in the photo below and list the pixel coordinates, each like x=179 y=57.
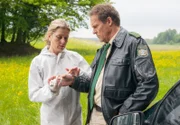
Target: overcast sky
x=146 y=17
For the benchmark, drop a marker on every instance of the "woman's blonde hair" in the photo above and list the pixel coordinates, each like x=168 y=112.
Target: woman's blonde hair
x=54 y=25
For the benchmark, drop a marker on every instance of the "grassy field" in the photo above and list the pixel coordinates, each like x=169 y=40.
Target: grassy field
x=15 y=107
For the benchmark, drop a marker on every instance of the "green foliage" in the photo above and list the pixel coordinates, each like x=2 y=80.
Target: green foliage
x=22 y=21
x=167 y=37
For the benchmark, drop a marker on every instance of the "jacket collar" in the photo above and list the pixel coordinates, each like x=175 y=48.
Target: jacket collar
x=119 y=39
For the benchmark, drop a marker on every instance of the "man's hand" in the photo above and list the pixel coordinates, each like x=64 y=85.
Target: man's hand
x=74 y=71
x=58 y=78
x=67 y=80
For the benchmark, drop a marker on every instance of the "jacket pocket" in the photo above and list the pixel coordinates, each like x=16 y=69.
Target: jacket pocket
x=117 y=94
x=120 y=61
x=118 y=72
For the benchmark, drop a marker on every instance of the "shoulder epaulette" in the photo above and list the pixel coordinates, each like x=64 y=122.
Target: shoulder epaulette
x=134 y=34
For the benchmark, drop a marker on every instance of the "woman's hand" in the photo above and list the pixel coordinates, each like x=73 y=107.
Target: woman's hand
x=54 y=83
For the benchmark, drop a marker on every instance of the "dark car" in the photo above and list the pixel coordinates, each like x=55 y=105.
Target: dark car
x=165 y=112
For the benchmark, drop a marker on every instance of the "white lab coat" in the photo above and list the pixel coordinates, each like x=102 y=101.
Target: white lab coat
x=62 y=108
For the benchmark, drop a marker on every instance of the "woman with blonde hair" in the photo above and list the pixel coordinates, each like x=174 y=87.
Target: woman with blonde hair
x=60 y=105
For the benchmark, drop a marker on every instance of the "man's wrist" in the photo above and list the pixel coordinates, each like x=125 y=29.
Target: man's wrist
x=74 y=81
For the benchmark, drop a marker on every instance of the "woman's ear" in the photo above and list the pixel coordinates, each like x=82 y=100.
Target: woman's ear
x=49 y=38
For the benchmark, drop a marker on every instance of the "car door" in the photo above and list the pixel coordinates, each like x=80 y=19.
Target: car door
x=168 y=109
x=165 y=112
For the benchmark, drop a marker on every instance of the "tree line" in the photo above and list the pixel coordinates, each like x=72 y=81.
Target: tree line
x=22 y=21
x=170 y=36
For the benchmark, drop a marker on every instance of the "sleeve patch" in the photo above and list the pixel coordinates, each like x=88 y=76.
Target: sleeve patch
x=142 y=51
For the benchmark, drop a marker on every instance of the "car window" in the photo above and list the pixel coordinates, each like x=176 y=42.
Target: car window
x=168 y=111
x=173 y=118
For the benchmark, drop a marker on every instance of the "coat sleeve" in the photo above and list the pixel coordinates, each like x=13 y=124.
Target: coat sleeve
x=82 y=82
x=144 y=76
x=38 y=92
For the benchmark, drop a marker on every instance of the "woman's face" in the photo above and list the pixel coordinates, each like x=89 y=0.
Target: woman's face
x=58 y=40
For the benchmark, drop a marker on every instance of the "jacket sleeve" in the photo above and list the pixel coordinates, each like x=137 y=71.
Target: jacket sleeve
x=38 y=92
x=144 y=75
x=82 y=82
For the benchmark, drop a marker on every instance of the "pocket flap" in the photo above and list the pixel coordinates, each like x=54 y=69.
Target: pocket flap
x=118 y=94
x=120 y=61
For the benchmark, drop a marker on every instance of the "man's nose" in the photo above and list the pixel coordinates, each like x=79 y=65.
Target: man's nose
x=94 y=31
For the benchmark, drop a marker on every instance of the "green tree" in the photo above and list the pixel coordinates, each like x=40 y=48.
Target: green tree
x=170 y=36
x=177 y=38
x=22 y=21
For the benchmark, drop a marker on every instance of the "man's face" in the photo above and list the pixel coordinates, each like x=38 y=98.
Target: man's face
x=102 y=30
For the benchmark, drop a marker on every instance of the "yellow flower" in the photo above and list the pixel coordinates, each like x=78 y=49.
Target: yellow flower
x=20 y=93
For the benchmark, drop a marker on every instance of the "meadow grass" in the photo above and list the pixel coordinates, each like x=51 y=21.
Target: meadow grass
x=15 y=107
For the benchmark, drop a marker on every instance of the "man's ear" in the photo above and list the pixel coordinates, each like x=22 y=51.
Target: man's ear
x=109 y=21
